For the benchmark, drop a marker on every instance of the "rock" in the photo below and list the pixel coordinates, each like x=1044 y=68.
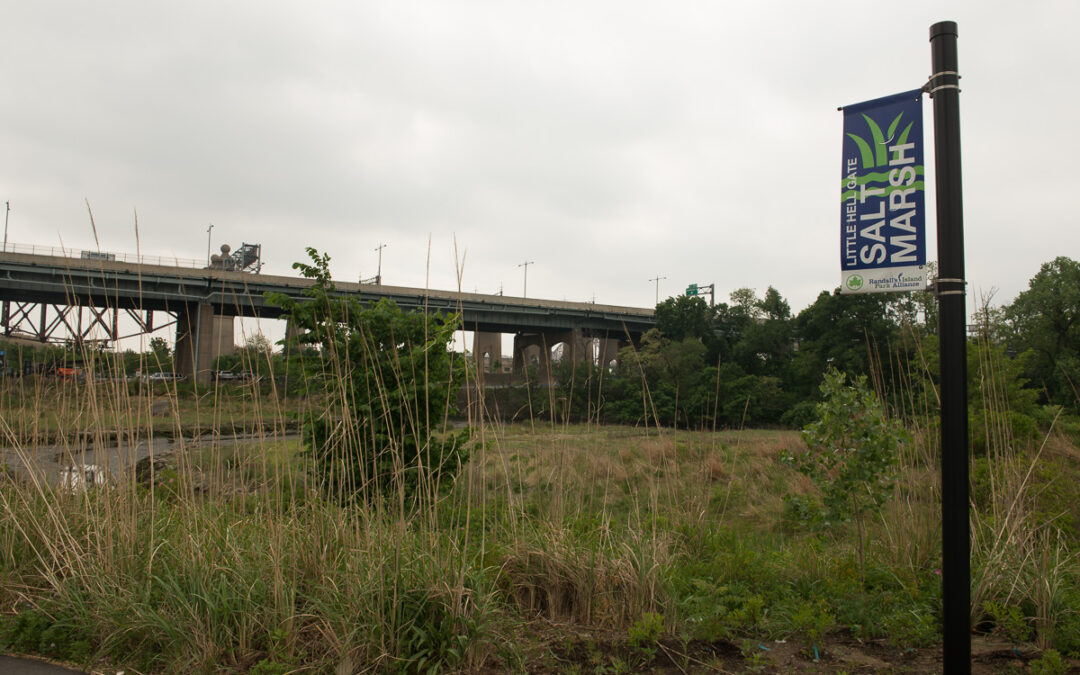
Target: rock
x=147 y=467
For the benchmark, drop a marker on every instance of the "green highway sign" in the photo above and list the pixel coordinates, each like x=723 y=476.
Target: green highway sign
x=692 y=289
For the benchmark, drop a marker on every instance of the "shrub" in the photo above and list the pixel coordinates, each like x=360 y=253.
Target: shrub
x=390 y=378
x=1050 y=663
x=852 y=451
x=644 y=635
x=32 y=631
x=800 y=415
x=1009 y=621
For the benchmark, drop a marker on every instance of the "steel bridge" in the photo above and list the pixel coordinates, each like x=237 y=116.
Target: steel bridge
x=44 y=296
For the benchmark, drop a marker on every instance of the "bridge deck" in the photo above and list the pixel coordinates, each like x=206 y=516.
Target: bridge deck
x=105 y=283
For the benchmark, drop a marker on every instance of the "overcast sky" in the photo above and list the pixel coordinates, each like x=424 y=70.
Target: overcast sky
x=607 y=142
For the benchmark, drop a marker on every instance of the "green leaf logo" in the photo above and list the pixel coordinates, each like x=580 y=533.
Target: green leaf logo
x=875 y=153
x=854 y=282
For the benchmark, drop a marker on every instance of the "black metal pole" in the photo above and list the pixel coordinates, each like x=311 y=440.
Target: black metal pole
x=952 y=332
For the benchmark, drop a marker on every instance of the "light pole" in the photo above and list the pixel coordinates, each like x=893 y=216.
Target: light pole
x=525 y=285
x=657 y=279
x=208 y=230
x=378 y=273
x=944 y=88
x=6 y=212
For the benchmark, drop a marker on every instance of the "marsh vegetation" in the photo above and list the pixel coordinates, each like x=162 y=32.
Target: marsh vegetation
x=443 y=540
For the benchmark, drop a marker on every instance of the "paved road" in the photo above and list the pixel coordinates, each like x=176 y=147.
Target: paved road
x=9 y=665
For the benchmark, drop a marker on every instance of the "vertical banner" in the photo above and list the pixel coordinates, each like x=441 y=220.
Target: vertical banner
x=883 y=212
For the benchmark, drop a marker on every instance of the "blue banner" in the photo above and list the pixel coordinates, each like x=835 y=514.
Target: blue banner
x=883 y=212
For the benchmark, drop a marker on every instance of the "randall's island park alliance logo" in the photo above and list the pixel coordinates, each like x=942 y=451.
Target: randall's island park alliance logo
x=854 y=282
x=899 y=281
x=882 y=232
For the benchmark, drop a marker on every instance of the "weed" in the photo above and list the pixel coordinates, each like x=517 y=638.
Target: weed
x=23 y=634
x=1050 y=663
x=429 y=637
x=644 y=637
x=1009 y=621
x=755 y=658
x=33 y=631
x=910 y=627
x=269 y=667
x=813 y=621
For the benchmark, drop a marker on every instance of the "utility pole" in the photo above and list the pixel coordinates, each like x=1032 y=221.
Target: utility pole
x=378 y=273
x=208 y=230
x=944 y=88
x=657 y=279
x=525 y=287
x=4 y=309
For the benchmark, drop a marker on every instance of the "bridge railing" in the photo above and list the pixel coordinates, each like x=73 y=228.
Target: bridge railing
x=61 y=252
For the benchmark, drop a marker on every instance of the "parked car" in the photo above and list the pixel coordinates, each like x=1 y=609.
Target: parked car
x=70 y=374
x=162 y=377
x=229 y=377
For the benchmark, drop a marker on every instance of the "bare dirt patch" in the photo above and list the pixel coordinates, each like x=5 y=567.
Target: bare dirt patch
x=581 y=651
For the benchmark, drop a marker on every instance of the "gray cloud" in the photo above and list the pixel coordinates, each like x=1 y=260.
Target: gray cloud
x=609 y=142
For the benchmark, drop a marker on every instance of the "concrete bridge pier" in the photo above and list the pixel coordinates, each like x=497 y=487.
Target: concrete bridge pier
x=196 y=342
x=225 y=332
x=486 y=352
x=528 y=348
x=538 y=347
x=609 y=351
x=575 y=344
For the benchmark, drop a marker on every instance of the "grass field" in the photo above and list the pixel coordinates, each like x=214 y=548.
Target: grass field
x=558 y=548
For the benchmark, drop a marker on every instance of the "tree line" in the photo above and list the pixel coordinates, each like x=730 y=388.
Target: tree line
x=751 y=361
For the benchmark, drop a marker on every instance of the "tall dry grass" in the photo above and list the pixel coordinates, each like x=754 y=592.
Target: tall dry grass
x=228 y=555
x=219 y=554
x=1021 y=558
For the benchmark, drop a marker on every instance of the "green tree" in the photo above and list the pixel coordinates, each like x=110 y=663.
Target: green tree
x=578 y=390
x=732 y=320
x=257 y=356
x=160 y=357
x=683 y=317
x=746 y=400
x=852 y=451
x=129 y=361
x=391 y=380
x=991 y=324
x=845 y=332
x=259 y=344
x=672 y=378
x=765 y=345
x=773 y=306
x=1045 y=326
x=747 y=302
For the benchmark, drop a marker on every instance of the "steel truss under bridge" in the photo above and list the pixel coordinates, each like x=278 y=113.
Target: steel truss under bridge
x=48 y=322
